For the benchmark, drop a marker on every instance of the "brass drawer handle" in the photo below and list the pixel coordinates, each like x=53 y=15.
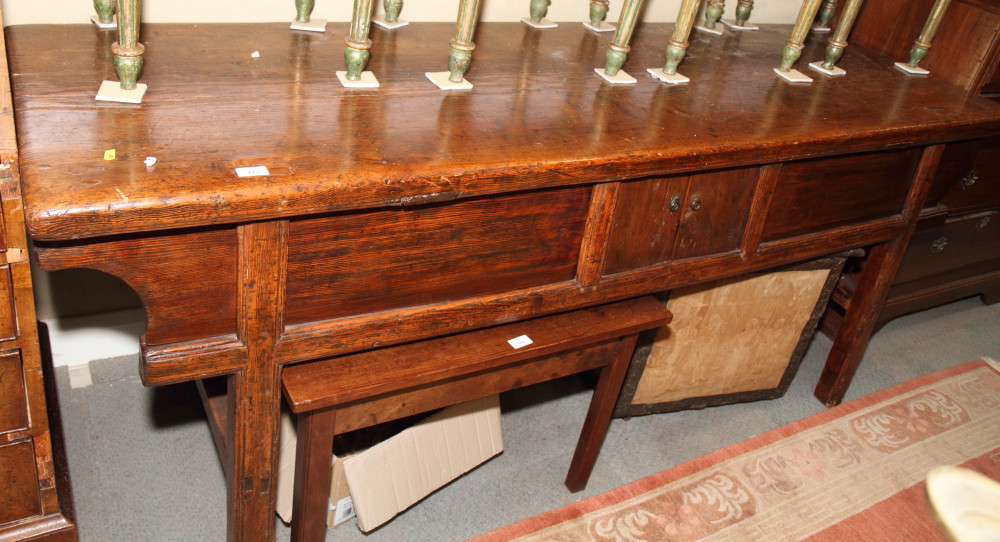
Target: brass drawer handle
x=939 y=244
x=970 y=179
x=675 y=203
x=695 y=203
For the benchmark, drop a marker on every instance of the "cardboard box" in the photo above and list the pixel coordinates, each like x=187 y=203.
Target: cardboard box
x=421 y=459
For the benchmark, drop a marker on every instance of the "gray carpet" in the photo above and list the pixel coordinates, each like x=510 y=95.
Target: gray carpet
x=143 y=466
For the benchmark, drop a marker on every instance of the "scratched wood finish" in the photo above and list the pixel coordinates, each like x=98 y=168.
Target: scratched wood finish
x=330 y=148
x=364 y=262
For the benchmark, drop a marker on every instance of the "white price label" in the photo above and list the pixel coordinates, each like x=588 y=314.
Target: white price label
x=520 y=342
x=255 y=171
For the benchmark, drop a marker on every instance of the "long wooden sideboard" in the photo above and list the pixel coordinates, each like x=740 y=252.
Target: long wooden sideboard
x=401 y=213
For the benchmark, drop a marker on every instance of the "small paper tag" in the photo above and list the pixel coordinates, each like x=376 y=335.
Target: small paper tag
x=345 y=510
x=255 y=171
x=109 y=154
x=520 y=342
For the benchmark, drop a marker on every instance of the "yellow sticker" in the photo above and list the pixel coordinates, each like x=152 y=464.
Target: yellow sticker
x=109 y=154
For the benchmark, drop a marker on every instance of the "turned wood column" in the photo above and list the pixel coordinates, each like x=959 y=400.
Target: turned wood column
x=678 y=44
x=793 y=49
x=618 y=48
x=460 y=56
x=105 y=11
x=128 y=51
x=356 y=54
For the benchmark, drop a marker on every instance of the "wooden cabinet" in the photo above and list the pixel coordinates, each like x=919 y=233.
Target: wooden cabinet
x=955 y=252
x=34 y=493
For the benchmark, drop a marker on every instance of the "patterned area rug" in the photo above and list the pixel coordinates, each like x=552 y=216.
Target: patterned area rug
x=853 y=472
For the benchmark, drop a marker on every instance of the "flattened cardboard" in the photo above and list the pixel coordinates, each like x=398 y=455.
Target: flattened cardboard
x=428 y=455
x=392 y=476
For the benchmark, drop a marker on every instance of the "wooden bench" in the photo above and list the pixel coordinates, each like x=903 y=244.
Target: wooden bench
x=342 y=394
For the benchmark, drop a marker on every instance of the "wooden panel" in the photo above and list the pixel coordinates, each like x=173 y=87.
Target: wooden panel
x=812 y=195
x=976 y=187
x=365 y=262
x=19 y=496
x=644 y=226
x=964 y=51
x=717 y=224
x=8 y=315
x=729 y=336
x=186 y=280
x=13 y=404
x=963 y=247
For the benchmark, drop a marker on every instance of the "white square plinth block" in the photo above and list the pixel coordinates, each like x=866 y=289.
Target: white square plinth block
x=716 y=31
x=793 y=76
x=603 y=27
x=441 y=80
x=104 y=26
x=391 y=26
x=620 y=78
x=818 y=66
x=367 y=80
x=903 y=66
x=733 y=26
x=672 y=78
x=544 y=23
x=314 y=25
x=112 y=91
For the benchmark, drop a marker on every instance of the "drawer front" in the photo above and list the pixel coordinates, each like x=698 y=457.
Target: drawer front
x=377 y=260
x=814 y=195
x=976 y=186
x=19 y=496
x=8 y=316
x=13 y=403
x=963 y=247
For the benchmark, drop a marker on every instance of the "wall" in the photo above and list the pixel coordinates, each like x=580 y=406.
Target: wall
x=75 y=11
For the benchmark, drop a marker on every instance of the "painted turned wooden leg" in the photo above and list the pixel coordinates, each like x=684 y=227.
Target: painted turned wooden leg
x=313 y=468
x=356 y=54
x=392 y=9
x=793 y=48
x=128 y=51
x=460 y=56
x=618 y=48
x=678 y=44
x=826 y=14
x=713 y=12
x=923 y=44
x=602 y=405
x=598 y=12
x=105 y=11
x=838 y=41
x=538 y=9
x=303 y=9
x=743 y=10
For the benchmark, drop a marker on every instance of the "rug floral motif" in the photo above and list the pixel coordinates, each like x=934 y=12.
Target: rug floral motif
x=804 y=479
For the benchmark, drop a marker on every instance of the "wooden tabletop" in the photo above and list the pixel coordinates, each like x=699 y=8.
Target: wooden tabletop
x=538 y=116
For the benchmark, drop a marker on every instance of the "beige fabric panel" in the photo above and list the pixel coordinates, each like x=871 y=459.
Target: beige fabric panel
x=729 y=336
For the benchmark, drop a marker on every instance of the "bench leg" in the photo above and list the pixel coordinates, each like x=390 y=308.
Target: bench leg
x=602 y=405
x=313 y=466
